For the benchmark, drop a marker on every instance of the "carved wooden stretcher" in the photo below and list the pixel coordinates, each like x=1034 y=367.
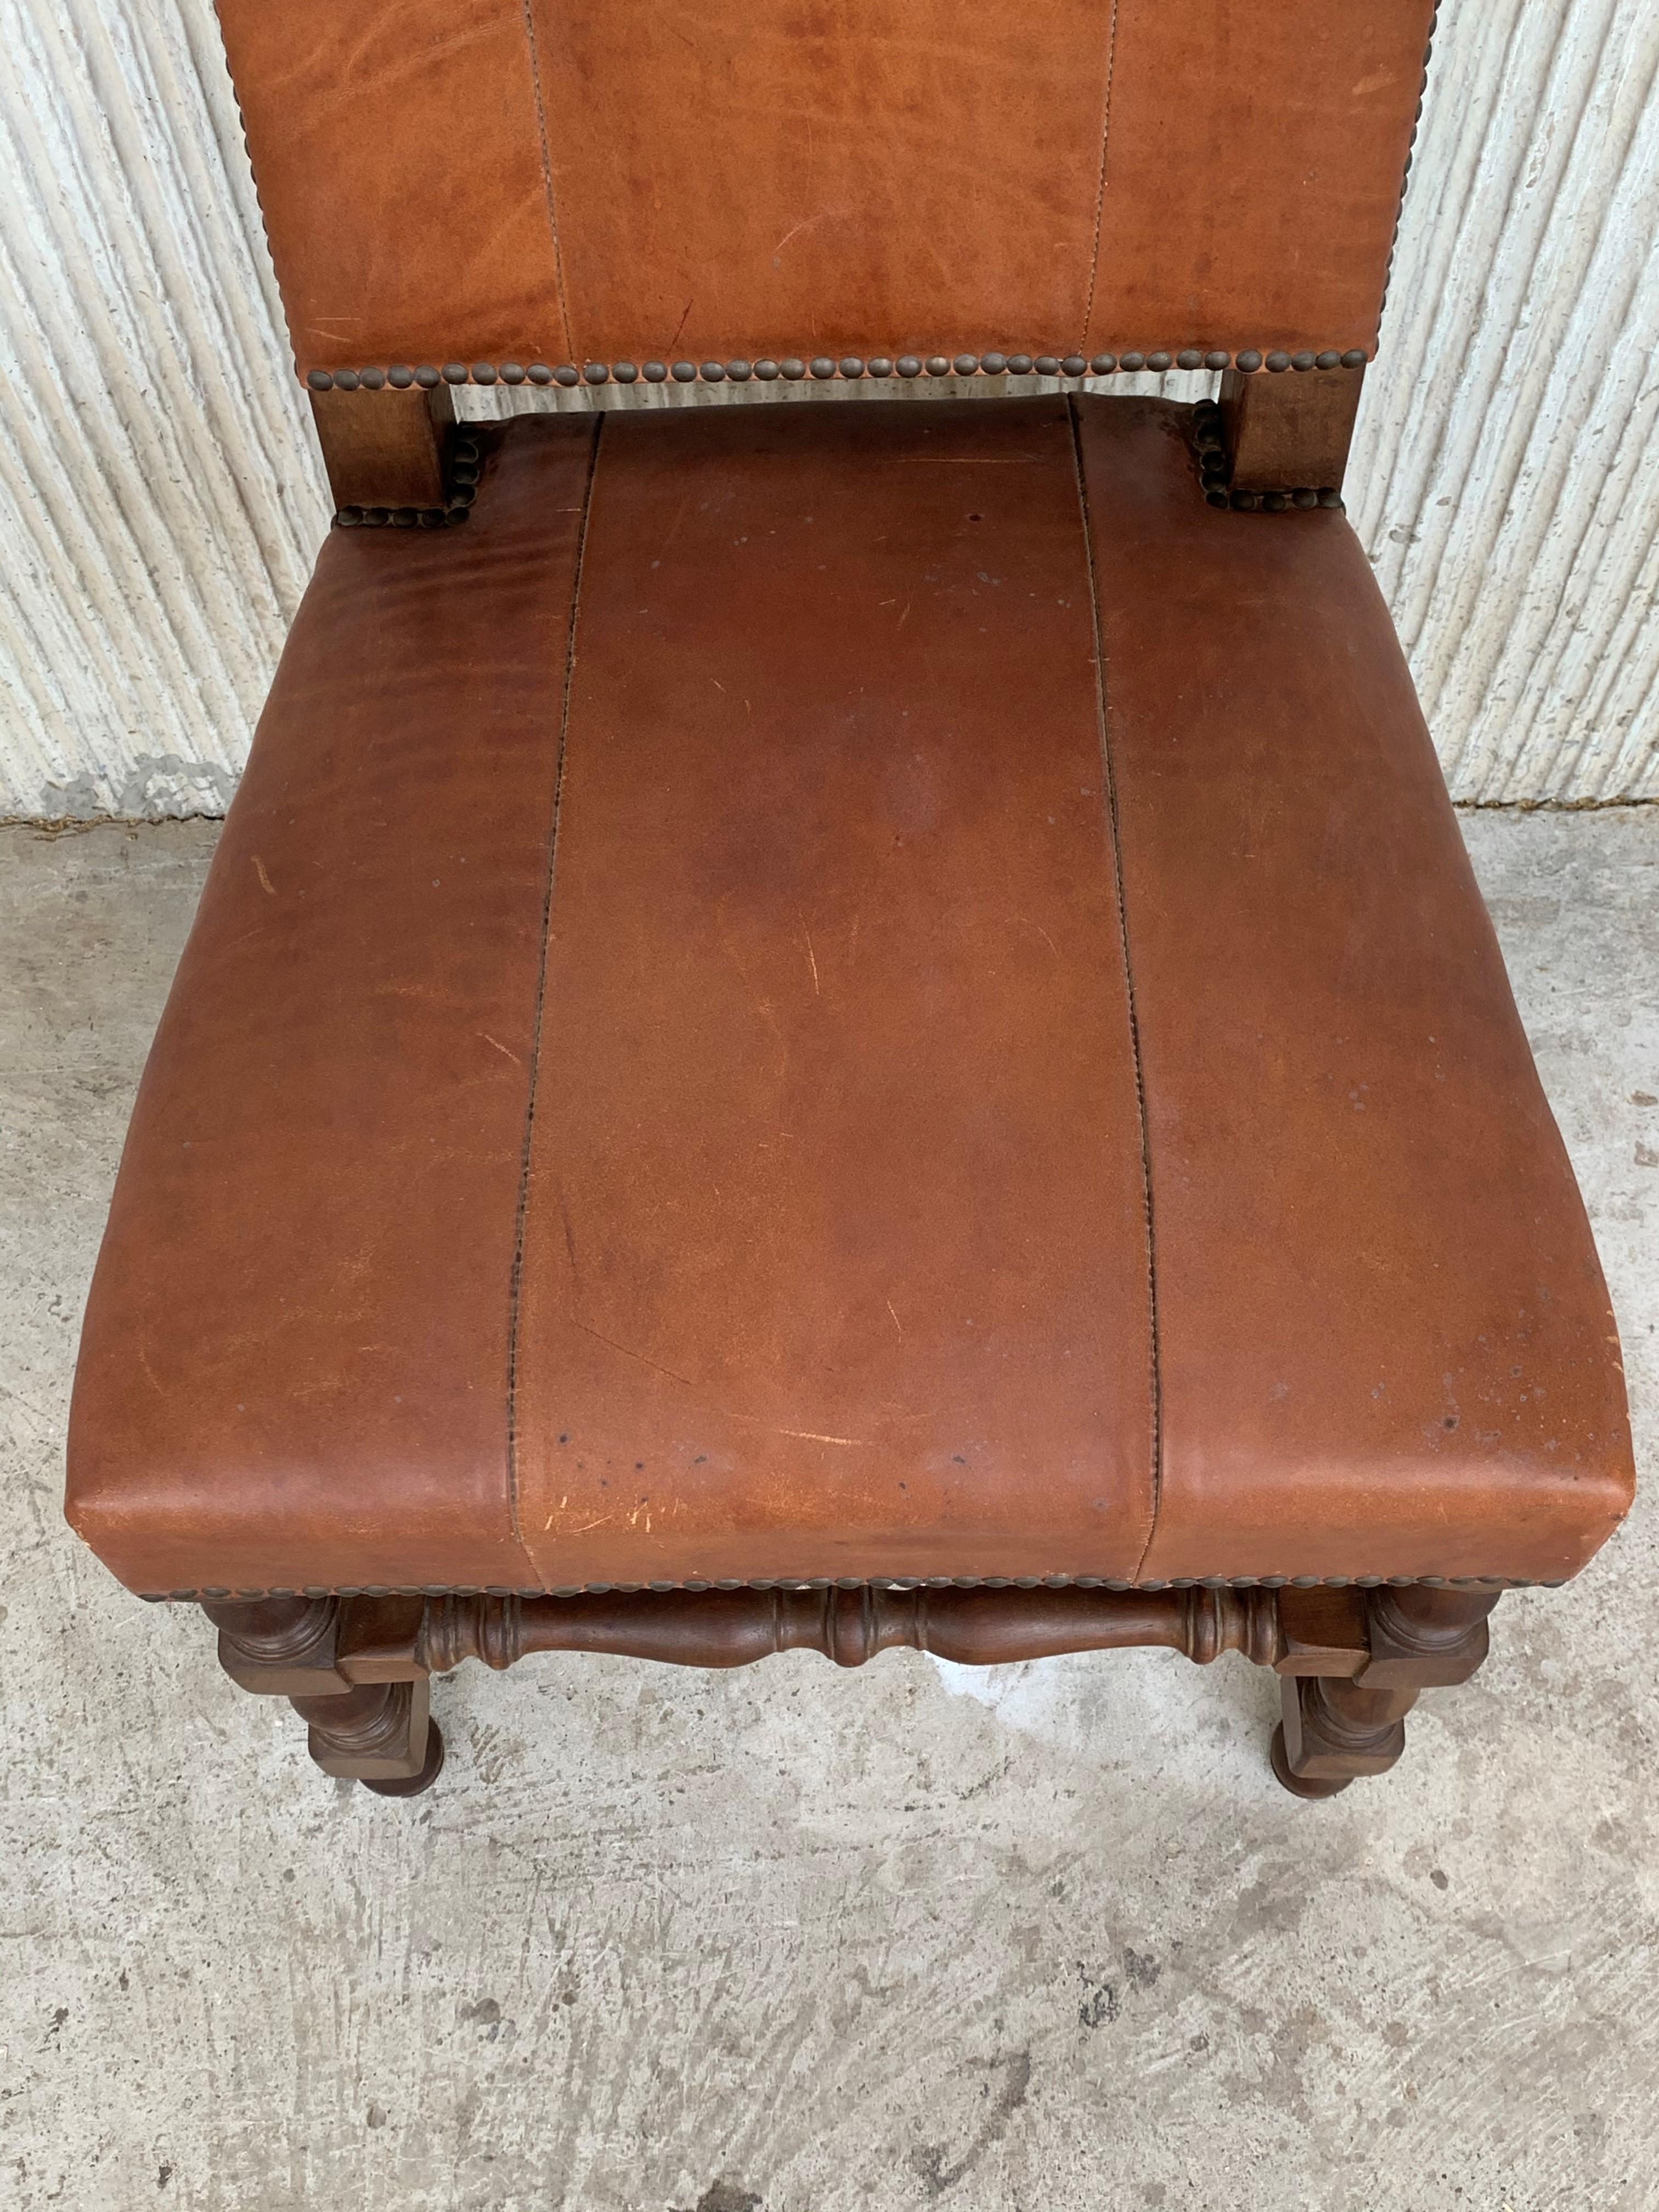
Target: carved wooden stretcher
x=1351 y=1661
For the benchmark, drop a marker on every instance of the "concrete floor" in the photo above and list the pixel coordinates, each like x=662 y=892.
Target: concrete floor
x=793 y=1941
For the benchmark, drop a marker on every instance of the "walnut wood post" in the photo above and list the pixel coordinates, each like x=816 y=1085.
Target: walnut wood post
x=1289 y=430
x=384 y=448
x=348 y=1668
x=1345 y=1722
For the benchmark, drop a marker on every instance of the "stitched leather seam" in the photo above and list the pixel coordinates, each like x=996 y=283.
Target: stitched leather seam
x=1100 y=188
x=547 y=172
x=522 y=1208
x=1155 y=1384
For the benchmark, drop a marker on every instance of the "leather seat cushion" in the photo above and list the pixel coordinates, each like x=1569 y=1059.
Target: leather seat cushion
x=852 y=991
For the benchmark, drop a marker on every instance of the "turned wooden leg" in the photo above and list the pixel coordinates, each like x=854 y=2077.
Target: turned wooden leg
x=380 y=1734
x=1354 y=1665
x=350 y=1669
x=1334 y=1731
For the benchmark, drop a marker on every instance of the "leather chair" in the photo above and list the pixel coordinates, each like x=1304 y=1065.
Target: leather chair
x=841 y=1024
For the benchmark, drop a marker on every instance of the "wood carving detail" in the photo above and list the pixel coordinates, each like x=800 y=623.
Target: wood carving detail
x=1351 y=1661
x=736 y=1628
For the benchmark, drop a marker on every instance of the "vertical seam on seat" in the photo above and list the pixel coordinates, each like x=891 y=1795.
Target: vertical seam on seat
x=1100 y=187
x=1109 y=777
x=522 y=1209
x=547 y=173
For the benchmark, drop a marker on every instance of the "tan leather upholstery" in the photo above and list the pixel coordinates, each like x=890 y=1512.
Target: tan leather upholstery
x=795 y=1090
x=511 y=180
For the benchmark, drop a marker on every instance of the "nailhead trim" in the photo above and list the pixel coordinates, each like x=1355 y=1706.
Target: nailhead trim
x=858 y=1582
x=1411 y=152
x=851 y=368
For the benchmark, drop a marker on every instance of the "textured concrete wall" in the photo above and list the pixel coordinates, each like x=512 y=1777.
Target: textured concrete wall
x=160 y=492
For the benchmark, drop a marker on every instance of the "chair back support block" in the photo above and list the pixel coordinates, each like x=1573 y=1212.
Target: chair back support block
x=384 y=448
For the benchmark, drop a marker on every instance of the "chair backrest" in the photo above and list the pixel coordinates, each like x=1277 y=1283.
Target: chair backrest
x=538 y=186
